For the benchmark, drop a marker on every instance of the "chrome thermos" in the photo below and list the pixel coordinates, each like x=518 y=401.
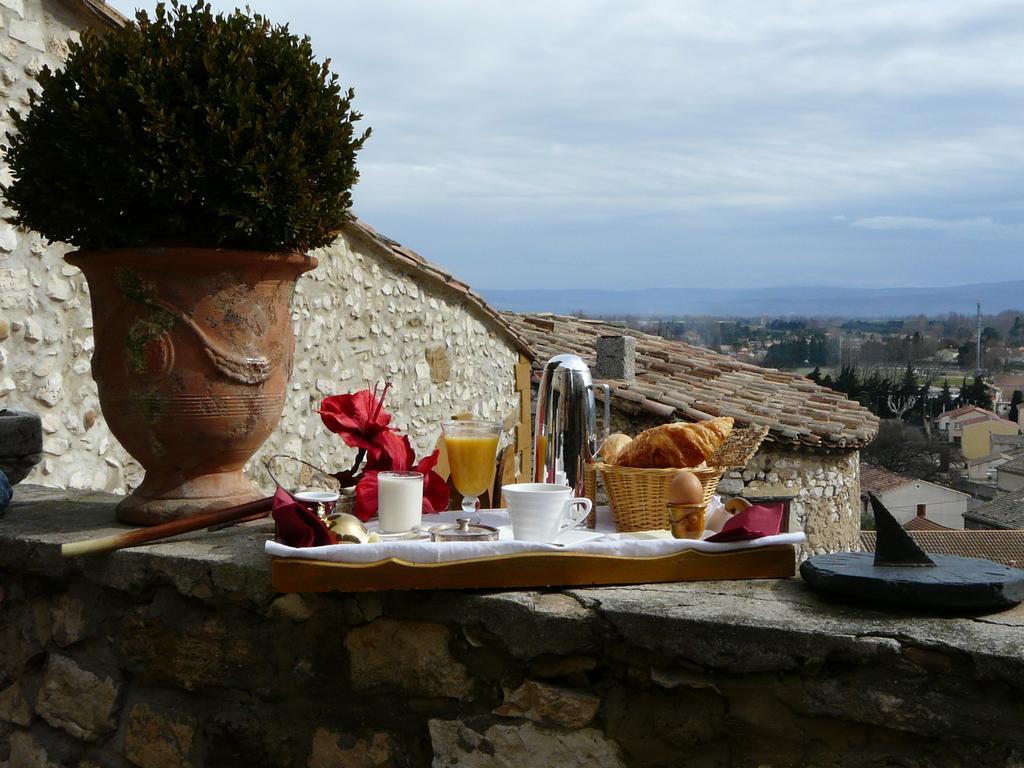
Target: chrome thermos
x=565 y=434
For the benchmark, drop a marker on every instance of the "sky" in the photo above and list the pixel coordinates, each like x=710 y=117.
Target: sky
x=683 y=143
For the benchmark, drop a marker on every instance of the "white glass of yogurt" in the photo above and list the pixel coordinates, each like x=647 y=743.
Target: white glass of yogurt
x=399 y=501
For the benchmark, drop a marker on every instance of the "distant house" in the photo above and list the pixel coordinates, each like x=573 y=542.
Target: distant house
x=977 y=432
x=908 y=497
x=1010 y=475
x=1004 y=512
x=951 y=423
x=815 y=434
x=985 y=469
x=1007 y=383
x=1006 y=547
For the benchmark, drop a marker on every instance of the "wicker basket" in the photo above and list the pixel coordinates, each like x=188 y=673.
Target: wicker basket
x=590 y=491
x=638 y=496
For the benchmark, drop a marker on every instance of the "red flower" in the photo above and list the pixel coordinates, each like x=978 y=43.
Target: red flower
x=359 y=418
x=391 y=452
x=435 y=489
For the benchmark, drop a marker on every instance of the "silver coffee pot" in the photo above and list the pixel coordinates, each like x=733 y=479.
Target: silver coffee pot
x=565 y=435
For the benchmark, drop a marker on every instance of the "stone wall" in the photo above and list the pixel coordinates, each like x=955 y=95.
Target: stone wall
x=182 y=655
x=359 y=318
x=45 y=325
x=827 y=484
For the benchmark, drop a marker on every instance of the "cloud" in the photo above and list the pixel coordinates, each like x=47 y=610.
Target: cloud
x=548 y=133
x=924 y=223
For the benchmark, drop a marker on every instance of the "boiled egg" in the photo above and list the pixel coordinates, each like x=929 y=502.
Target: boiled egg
x=685 y=488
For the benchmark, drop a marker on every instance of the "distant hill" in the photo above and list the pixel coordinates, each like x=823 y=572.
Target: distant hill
x=802 y=301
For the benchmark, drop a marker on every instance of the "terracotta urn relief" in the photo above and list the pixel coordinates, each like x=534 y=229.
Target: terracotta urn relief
x=193 y=351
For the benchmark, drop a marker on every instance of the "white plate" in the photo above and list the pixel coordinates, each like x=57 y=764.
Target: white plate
x=573 y=537
x=402 y=535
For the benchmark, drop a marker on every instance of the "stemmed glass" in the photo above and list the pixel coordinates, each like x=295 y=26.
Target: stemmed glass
x=472 y=448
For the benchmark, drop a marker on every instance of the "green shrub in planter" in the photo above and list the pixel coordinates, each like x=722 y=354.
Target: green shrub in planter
x=187 y=129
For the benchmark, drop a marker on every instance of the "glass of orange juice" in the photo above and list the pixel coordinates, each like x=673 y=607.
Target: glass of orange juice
x=472 y=448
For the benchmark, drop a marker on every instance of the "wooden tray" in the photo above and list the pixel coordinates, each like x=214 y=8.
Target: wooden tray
x=532 y=569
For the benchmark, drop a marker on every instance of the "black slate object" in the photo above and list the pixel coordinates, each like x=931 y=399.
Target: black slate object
x=893 y=545
x=900 y=574
x=955 y=583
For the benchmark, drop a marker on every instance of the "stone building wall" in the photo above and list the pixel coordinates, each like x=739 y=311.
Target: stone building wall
x=45 y=322
x=359 y=318
x=827 y=504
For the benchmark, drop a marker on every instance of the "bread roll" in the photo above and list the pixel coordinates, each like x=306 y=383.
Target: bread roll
x=613 y=446
x=676 y=445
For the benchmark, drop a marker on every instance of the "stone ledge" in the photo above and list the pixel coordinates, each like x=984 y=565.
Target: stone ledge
x=187 y=640
x=748 y=626
x=225 y=565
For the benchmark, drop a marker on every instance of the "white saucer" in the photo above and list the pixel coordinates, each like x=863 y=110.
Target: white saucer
x=402 y=535
x=573 y=537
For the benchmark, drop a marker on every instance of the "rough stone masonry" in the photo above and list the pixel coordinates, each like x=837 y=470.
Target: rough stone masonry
x=180 y=654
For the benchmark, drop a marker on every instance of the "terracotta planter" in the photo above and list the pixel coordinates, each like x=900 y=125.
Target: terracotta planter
x=193 y=350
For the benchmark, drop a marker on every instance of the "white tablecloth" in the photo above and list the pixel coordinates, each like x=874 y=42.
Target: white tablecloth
x=610 y=543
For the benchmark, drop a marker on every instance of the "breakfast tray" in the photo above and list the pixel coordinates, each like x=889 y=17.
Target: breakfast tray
x=534 y=569
x=509 y=564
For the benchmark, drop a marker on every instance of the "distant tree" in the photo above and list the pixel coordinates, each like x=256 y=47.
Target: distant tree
x=902 y=448
x=989 y=335
x=1017 y=331
x=826 y=381
x=976 y=393
x=1015 y=400
x=965 y=355
x=848 y=381
x=900 y=404
x=946 y=397
x=815 y=375
x=925 y=401
x=875 y=392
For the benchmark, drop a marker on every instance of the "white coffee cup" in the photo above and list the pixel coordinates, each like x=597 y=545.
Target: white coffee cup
x=541 y=511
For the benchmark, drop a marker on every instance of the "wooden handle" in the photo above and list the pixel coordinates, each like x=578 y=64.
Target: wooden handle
x=165 y=530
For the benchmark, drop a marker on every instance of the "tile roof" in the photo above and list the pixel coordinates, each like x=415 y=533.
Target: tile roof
x=1006 y=547
x=1016 y=466
x=100 y=10
x=980 y=418
x=959 y=411
x=415 y=263
x=674 y=379
x=1005 y=511
x=924 y=523
x=956 y=413
x=879 y=480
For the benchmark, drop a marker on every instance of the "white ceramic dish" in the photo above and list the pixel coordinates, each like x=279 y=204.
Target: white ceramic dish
x=403 y=535
x=573 y=537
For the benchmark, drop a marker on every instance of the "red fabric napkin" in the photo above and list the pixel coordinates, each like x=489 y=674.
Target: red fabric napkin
x=752 y=523
x=297 y=524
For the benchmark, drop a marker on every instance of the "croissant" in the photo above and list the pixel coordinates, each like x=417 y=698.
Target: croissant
x=676 y=445
x=613 y=446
